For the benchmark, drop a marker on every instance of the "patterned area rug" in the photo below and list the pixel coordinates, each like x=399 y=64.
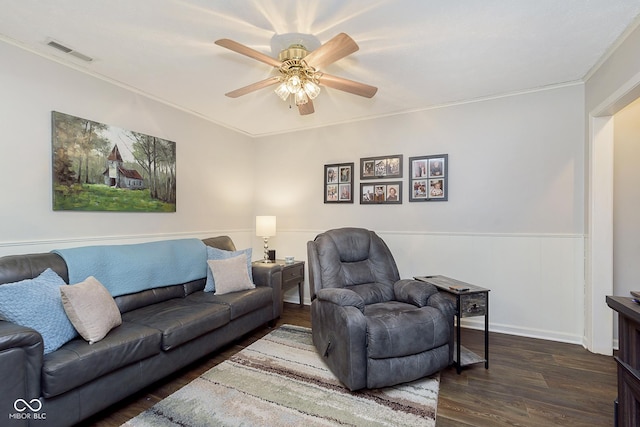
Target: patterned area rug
x=280 y=380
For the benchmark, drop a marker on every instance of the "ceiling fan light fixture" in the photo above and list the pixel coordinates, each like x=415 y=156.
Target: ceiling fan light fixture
x=294 y=84
x=282 y=91
x=301 y=97
x=311 y=89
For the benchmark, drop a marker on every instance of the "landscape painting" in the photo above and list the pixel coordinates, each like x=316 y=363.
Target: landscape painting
x=97 y=167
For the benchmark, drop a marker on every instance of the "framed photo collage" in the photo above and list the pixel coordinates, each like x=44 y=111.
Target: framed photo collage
x=338 y=183
x=381 y=180
x=381 y=168
x=428 y=178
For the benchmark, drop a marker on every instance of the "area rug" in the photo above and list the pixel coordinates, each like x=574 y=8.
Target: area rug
x=280 y=380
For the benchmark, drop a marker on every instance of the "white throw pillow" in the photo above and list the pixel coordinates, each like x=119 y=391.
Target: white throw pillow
x=231 y=275
x=91 y=309
x=215 y=253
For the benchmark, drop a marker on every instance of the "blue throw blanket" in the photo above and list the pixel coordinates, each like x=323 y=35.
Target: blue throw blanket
x=125 y=269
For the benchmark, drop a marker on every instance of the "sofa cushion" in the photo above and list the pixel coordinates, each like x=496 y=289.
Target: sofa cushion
x=91 y=309
x=179 y=320
x=239 y=303
x=77 y=362
x=194 y=286
x=218 y=254
x=36 y=304
x=136 y=300
x=230 y=275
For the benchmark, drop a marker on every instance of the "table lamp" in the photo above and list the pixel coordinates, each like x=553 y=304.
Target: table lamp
x=265 y=228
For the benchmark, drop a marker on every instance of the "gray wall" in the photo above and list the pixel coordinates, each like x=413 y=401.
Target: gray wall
x=516 y=166
x=214 y=186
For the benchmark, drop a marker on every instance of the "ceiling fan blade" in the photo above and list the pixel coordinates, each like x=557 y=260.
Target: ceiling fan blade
x=247 y=51
x=307 y=108
x=336 y=48
x=253 y=87
x=347 y=85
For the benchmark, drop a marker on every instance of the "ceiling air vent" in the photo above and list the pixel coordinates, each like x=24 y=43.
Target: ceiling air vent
x=68 y=50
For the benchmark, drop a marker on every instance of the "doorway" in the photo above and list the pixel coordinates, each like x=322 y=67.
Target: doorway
x=599 y=241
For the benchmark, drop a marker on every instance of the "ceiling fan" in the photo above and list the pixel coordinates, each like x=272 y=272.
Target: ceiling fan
x=299 y=76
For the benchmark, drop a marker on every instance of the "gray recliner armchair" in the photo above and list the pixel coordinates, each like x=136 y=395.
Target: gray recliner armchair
x=373 y=329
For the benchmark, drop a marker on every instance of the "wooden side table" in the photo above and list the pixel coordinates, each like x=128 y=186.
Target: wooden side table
x=292 y=275
x=471 y=300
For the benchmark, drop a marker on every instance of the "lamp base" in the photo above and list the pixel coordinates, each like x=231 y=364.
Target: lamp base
x=266 y=259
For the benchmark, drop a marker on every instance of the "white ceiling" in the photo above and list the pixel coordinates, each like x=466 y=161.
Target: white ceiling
x=419 y=53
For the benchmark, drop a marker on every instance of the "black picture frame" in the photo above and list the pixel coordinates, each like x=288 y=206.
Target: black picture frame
x=380 y=193
x=429 y=178
x=381 y=167
x=338 y=183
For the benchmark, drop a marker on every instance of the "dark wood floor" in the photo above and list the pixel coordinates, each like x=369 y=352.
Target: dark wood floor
x=529 y=382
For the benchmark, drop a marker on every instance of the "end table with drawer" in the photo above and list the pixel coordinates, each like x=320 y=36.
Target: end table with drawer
x=470 y=300
x=292 y=275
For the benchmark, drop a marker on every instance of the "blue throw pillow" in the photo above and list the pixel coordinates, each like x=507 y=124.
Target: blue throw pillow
x=37 y=304
x=218 y=254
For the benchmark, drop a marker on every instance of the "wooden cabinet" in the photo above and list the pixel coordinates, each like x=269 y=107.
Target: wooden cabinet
x=628 y=360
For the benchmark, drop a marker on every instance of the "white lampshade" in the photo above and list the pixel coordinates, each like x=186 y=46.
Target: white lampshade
x=265 y=226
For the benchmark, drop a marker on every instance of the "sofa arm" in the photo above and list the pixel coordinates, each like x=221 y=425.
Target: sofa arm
x=21 y=353
x=413 y=292
x=270 y=275
x=341 y=297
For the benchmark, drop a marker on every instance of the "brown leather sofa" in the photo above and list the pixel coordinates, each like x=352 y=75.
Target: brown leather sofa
x=163 y=329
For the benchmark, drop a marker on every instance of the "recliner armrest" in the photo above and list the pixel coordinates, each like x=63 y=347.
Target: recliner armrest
x=342 y=297
x=448 y=308
x=444 y=304
x=413 y=292
x=21 y=353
